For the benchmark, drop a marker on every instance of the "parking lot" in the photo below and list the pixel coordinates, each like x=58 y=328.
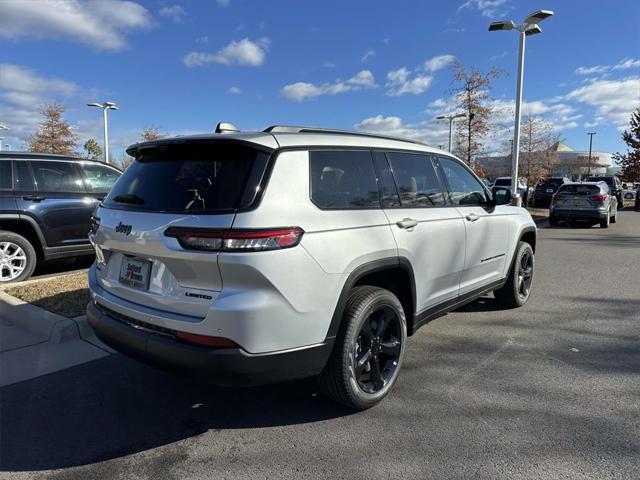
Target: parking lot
x=546 y=391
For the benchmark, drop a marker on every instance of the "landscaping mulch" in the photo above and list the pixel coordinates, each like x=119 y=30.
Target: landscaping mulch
x=66 y=295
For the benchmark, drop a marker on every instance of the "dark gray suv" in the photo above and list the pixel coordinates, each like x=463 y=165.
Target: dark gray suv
x=46 y=202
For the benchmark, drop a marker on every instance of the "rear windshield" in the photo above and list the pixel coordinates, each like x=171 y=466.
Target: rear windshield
x=503 y=182
x=203 y=178
x=608 y=180
x=551 y=183
x=580 y=189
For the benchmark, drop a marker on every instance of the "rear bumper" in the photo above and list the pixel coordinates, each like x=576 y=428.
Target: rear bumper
x=222 y=366
x=567 y=214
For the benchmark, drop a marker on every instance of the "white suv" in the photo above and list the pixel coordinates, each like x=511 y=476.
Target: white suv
x=251 y=258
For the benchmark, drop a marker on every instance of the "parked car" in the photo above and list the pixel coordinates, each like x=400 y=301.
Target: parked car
x=637 y=202
x=523 y=189
x=615 y=187
x=590 y=201
x=297 y=252
x=46 y=202
x=545 y=189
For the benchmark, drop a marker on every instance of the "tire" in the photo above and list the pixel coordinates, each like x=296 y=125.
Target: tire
x=553 y=221
x=17 y=257
x=604 y=223
x=517 y=290
x=353 y=384
x=614 y=218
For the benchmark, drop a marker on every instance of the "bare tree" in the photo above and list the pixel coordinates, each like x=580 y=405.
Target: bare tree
x=471 y=93
x=54 y=135
x=537 y=159
x=125 y=160
x=150 y=133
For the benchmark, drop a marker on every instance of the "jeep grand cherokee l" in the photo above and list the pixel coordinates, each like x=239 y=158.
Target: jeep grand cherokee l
x=46 y=202
x=251 y=258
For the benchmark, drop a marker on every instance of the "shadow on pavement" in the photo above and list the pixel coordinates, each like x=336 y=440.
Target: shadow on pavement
x=114 y=407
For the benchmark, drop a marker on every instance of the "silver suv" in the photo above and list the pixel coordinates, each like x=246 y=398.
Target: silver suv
x=251 y=258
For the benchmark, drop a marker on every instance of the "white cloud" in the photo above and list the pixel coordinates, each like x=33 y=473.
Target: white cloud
x=24 y=92
x=101 y=24
x=488 y=8
x=301 y=91
x=398 y=83
x=627 y=63
x=223 y=3
x=431 y=132
x=21 y=79
x=623 y=64
x=438 y=62
x=244 y=52
x=234 y=90
x=614 y=100
x=367 y=55
x=174 y=12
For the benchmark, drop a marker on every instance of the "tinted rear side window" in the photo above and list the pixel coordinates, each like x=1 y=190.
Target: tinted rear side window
x=203 y=178
x=61 y=177
x=343 y=179
x=6 y=175
x=24 y=178
x=417 y=181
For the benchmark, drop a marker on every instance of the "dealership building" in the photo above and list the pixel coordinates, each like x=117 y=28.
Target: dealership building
x=571 y=163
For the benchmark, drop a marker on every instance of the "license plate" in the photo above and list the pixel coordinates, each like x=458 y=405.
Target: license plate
x=549 y=190
x=577 y=202
x=134 y=272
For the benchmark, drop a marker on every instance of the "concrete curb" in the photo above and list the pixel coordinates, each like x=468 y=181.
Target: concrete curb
x=54 y=328
x=44 y=278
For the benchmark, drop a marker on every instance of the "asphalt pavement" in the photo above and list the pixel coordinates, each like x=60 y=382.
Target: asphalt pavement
x=551 y=390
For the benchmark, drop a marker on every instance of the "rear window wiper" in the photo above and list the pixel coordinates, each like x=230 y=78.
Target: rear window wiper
x=129 y=198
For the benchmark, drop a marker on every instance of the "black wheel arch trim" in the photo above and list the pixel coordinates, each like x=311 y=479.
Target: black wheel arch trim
x=31 y=221
x=358 y=273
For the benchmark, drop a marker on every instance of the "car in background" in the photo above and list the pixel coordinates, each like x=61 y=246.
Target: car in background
x=615 y=186
x=587 y=201
x=46 y=203
x=545 y=189
x=637 y=202
x=505 y=183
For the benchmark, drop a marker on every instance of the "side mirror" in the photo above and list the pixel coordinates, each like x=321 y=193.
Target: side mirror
x=501 y=195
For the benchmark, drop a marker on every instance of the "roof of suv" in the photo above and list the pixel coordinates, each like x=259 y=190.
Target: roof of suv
x=41 y=156
x=291 y=137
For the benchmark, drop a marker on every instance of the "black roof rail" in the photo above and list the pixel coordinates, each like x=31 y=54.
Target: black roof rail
x=294 y=129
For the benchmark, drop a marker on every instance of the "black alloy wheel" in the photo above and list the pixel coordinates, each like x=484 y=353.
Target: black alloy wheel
x=377 y=350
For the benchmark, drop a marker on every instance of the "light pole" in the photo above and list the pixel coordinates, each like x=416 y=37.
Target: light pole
x=591 y=134
x=2 y=127
x=450 y=118
x=105 y=106
x=527 y=28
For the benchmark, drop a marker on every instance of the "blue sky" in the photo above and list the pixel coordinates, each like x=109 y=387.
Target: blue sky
x=379 y=66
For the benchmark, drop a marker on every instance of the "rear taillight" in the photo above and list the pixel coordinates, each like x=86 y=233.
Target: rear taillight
x=94 y=224
x=599 y=198
x=558 y=198
x=258 y=240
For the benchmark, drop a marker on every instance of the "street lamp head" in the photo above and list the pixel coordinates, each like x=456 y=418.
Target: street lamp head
x=460 y=115
x=94 y=104
x=441 y=117
x=537 y=17
x=110 y=106
x=532 y=30
x=503 y=25
x=3 y=127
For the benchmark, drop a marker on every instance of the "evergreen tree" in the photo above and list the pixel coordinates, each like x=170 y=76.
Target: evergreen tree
x=55 y=135
x=630 y=161
x=94 y=152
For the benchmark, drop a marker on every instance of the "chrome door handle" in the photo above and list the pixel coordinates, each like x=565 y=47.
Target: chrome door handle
x=407 y=223
x=472 y=217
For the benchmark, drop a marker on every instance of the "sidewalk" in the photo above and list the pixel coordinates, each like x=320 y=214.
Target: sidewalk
x=34 y=342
